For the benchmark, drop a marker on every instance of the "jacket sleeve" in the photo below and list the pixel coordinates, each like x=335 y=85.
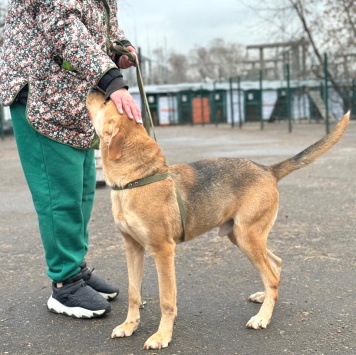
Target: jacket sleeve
x=61 y=25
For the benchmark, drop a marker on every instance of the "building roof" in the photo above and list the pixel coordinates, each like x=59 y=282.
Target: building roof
x=210 y=86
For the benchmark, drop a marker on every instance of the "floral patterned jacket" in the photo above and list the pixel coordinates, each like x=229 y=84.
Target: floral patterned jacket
x=37 y=33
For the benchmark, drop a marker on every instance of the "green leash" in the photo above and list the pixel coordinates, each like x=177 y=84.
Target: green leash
x=118 y=48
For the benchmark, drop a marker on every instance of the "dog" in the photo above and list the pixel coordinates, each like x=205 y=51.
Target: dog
x=157 y=206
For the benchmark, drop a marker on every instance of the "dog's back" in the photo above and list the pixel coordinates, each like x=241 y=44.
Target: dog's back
x=217 y=190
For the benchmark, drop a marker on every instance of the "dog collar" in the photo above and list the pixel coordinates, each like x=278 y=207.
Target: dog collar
x=142 y=182
x=151 y=179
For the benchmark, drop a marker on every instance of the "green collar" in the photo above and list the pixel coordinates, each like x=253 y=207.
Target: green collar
x=151 y=179
x=142 y=182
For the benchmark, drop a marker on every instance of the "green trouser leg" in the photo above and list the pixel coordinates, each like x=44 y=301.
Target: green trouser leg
x=62 y=183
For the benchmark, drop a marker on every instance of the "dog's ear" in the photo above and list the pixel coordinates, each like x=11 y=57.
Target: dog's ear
x=114 y=138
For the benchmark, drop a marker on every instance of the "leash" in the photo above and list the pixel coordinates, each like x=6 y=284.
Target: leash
x=118 y=48
x=182 y=212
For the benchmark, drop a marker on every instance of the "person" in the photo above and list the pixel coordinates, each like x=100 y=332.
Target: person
x=54 y=53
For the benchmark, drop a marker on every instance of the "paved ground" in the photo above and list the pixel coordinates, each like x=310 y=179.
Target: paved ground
x=314 y=234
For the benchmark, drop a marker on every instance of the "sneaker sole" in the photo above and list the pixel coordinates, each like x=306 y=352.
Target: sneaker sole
x=75 y=312
x=109 y=296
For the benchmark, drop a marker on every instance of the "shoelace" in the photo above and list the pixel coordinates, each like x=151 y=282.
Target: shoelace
x=87 y=277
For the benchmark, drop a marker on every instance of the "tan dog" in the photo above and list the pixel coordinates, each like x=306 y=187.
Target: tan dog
x=236 y=195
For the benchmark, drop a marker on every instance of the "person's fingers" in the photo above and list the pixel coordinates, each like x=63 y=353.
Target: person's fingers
x=125 y=102
x=135 y=111
x=132 y=110
x=125 y=62
x=119 y=106
x=126 y=106
x=133 y=51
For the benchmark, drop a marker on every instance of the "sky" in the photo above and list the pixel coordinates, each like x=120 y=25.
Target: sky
x=182 y=25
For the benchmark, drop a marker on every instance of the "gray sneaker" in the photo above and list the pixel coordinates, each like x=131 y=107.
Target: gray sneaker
x=76 y=299
x=107 y=290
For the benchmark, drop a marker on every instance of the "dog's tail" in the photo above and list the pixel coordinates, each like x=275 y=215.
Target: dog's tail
x=311 y=153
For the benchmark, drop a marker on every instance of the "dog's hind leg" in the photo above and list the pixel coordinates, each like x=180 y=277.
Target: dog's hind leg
x=252 y=241
x=164 y=259
x=276 y=263
x=135 y=259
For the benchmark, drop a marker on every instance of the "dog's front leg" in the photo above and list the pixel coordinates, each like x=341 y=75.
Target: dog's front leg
x=134 y=259
x=164 y=259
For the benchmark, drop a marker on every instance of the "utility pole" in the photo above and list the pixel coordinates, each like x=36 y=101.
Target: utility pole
x=231 y=102
x=289 y=99
x=326 y=93
x=261 y=99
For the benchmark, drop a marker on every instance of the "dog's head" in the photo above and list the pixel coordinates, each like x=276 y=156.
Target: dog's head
x=107 y=123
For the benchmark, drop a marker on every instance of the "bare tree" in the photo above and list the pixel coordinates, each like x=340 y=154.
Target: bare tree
x=160 y=69
x=342 y=31
x=218 y=61
x=179 y=66
x=341 y=34
x=344 y=13
x=328 y=25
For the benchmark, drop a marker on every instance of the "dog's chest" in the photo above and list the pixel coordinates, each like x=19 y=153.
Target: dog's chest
x=123 y=226
x=121 y=221
x=128 y=219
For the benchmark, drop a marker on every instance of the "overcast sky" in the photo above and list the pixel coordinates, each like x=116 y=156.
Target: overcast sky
x=182 y=25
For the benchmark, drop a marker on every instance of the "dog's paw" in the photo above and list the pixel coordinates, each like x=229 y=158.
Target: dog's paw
x=258 y=322
x=124 y=330
x=257 y=297
x=158 y=340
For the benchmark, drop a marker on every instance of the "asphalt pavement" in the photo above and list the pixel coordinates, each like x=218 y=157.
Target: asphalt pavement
x=314 y=235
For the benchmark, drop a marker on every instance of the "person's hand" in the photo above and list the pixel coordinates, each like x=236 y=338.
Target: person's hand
x=125 y=102
x=124 y=61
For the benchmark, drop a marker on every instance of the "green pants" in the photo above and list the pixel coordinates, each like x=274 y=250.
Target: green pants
x=62 y=183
